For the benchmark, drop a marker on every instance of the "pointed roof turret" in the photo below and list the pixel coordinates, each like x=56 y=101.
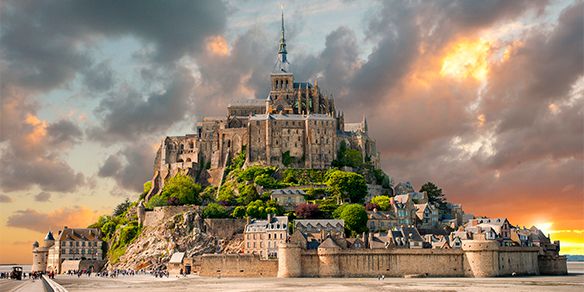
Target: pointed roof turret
x=282 y=63
x=49 y=236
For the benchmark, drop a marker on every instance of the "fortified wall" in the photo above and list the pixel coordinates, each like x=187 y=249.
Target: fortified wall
x=237 y=265
x=224 y=227
x=160 y=214
x=475 y=259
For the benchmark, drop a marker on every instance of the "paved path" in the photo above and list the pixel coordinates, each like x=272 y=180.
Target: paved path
x=22 y=286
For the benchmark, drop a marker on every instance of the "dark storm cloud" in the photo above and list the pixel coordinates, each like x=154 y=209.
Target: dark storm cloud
x=126 y=116
x=42 y=197
x=537 y=76
x=100 y=77
x=131 y=167
x=64 y=132
x=41 y=39
x=45 y=44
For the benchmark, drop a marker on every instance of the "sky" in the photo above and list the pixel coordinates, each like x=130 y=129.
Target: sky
x=483 y=98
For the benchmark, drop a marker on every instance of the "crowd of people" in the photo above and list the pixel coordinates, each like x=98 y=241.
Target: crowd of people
x=25 y=275
x=117 y=272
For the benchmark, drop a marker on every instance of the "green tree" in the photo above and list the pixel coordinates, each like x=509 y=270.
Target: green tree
x=214 y=210
x=355 y=218
x=108 y=228
x=256 y=209
x=122 y=207
x=347 y=185
x=435 y=195
x=147 y=186
x=384 y=202
x=183 y=188
x=238 y=212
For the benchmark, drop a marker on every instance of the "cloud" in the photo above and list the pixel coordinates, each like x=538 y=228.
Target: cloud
x=42 y=197
x=34 y=148
x=77 y=216
x=5 y=199
x=131 y=167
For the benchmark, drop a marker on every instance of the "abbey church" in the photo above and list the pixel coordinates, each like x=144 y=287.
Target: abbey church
x=295 y=125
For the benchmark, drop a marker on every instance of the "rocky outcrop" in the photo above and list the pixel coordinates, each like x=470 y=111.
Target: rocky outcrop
x=183 y=232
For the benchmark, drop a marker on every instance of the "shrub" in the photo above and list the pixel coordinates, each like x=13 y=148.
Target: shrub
x=347 y=185
x=355 y=218
x=384 y=202
x=121 y=208
x=214 y=210
x=238 y=212
x=307 y=211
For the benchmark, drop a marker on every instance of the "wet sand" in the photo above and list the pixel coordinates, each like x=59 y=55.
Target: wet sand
x=572 y=282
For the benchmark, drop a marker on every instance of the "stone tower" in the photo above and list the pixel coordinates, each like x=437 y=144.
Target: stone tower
x=40 y=254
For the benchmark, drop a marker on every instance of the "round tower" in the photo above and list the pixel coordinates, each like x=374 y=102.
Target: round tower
x=289 y=260
x=39 y=258
x=328 y=257
x=481 y=258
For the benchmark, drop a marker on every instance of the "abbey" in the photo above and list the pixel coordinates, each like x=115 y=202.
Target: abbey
x=296 y=125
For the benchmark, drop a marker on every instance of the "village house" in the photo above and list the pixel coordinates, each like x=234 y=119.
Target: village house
x=288 y=198
x=406 y=237
x=427 y=215
x=380 y=220
x=262 y=237
x=320 y=229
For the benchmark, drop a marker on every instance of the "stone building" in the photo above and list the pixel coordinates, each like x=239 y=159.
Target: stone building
x=295 y=125
x=262 y=237
x=71 y=244
x=288 y=198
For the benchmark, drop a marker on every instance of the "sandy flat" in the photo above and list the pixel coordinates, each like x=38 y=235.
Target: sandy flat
x=572 y=282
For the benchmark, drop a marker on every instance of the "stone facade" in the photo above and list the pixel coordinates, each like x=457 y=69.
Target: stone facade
x=262 y=237
x=77 y=244
x=295 y=125
x=475 y=259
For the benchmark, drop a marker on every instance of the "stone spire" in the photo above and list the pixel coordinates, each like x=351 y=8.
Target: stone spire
x=282 y=63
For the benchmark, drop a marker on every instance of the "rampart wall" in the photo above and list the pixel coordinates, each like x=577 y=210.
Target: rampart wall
x=475 y=259
x=160 y=214
x=224 y=228
x=237 y=265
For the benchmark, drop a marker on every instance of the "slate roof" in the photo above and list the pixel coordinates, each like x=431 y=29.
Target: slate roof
x=291 y=117
x=277 y=223
x=80 y=234
x=319 y=223
x=302 y=85
x=328 y=243
x=49 y=236
x=288 y=192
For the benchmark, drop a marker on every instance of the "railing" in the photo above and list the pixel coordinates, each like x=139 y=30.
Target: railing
x=52 y=286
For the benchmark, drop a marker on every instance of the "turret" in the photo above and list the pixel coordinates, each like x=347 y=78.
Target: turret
x=49 y=239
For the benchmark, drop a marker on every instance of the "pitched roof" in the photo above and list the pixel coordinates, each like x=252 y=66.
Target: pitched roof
x=177 y=258
x=84 y=234
x=328 y=243
x=305 y=223
x=49 y=236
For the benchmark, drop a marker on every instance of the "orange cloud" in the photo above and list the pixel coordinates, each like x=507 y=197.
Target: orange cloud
x=217 y=45
x=33 y=220
x=39 y=129
x=467 y=58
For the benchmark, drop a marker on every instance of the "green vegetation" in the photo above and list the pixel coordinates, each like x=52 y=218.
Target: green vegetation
x=355 y=218
x=435 y=195
x=347 y=185
x=215 y=210
x=286 y=158
x=261 y=209
x=179 y=190
x=348 y=157
x=384 y=202
x=122 y=208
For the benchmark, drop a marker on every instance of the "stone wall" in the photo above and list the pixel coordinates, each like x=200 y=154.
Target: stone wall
x=237 y=265
x=552 y=265
x=475 y=259
x=96 y=265
x=160 y=214
x=224 y=228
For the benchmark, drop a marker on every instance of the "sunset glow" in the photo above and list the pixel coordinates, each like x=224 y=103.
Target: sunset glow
x=467 y=59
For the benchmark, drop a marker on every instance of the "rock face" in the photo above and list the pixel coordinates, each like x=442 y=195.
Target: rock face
x=183 y=232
